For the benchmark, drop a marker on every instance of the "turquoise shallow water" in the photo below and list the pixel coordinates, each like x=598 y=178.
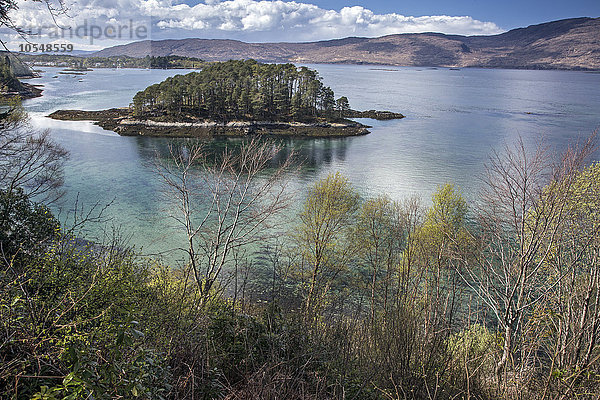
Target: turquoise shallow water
x=454 y=120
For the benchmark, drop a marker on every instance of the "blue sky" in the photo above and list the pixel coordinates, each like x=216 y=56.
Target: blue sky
x=507 y=14
x=295 y=21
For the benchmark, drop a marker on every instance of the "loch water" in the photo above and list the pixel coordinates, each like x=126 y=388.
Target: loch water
x=454 y=120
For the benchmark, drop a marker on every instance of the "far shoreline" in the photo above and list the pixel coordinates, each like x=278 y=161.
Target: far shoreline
x=369 y=65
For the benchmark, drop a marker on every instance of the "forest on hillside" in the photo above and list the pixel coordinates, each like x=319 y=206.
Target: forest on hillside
x=242 y=90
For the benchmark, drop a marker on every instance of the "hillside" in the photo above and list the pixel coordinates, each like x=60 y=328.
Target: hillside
x=565 y=44
x=18 y=68
x=10 y=86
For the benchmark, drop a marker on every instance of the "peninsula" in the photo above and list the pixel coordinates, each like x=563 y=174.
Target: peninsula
x=235 y=98
x=10 y=85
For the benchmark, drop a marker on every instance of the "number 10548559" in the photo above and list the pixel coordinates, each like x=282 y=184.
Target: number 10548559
x=45 y=48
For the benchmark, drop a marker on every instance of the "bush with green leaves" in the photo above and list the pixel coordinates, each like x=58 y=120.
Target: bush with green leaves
x=26 y=228
x=122 y=368
x=66 y=311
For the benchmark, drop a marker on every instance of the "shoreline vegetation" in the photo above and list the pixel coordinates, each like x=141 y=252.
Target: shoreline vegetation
x=353 y=297
x=235 y=98
x=80 y=63
x=359 y=297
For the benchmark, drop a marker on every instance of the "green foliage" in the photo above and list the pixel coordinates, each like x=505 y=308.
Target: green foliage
x=443 y=235
x=584 y=203
x=325 y=225
x=166 y=62
x=121 y=369
x=154 y=62
x=330 y=205
x=81 y=320
x=25 y=228
x=245 y=90
x=342 y=106
x=65 y=314
x=472 y=351
x=449 y=209
x=69 y=312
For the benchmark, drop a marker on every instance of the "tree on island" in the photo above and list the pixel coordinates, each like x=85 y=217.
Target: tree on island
x=342 y=106
x=242 y=90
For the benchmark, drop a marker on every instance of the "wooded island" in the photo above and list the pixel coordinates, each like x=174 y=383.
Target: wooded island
x=242 y=90
x=235 y=98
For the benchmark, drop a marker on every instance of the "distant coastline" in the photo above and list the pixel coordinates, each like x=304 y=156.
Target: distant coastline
x=568 y=44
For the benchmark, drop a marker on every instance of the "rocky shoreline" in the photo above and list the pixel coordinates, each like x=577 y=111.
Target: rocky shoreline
x=121 y=121
x=373 y=114
x=26 y=91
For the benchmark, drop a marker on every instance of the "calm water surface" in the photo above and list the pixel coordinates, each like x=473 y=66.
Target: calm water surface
x=454 y=120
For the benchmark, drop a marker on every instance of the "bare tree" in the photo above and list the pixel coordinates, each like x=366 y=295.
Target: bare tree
x=326 y=222
x=523 y=209
x=224 y=203
x=29 y=159
x=379 y=233
x=568 y=323
x=9 y=7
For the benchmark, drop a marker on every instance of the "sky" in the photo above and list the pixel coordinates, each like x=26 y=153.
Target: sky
x=507 y=14
x=95 y=24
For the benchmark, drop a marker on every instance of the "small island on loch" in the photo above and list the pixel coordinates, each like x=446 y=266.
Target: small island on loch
x=235 y=98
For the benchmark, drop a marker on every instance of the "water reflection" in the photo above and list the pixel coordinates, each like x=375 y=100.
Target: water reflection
x=308 y=154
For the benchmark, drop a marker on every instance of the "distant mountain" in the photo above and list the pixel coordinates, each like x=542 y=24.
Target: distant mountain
x=82 y=53
x=564 y=44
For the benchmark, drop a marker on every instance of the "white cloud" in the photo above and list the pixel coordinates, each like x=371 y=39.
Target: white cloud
x=309 y=21
x=249 y=20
